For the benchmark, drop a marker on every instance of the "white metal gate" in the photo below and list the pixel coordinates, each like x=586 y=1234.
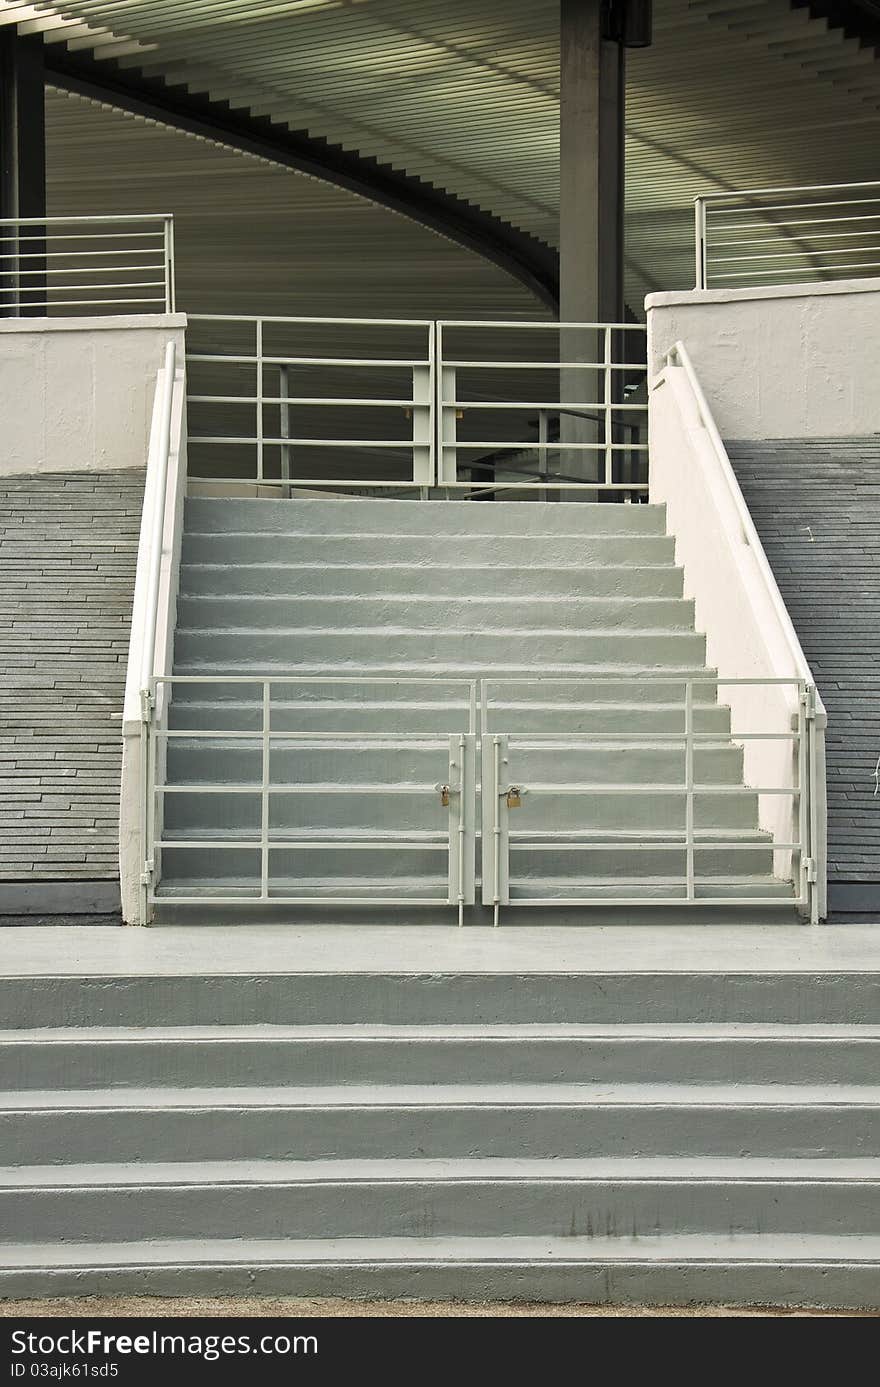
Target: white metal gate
x=395 y=812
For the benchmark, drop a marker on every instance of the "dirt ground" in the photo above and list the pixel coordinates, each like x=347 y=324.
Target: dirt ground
x=258 y=1307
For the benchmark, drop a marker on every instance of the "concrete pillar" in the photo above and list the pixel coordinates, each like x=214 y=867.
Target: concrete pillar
x=22 y=162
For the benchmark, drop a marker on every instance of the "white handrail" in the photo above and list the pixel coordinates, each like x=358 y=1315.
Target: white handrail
x=148 y=654
x=678 y=355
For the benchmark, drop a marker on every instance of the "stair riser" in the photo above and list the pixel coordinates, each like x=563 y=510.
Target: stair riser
x=463 y=517
x=208 y=999
x=225 y=762
x=119 y=1064
x=335 y=717
x=356 y=649
x=552 y=1208
x=443 y=612
x=36 y=1137
x=549 y=551
x=422 y=810
x=331 y=579
x=634 y=1280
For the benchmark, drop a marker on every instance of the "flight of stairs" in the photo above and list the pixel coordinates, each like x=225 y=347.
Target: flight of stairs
x=393 y=591
x=607 y=1136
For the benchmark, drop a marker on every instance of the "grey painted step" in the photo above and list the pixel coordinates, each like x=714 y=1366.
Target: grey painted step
x=330 y=806
x=332 y=578
x=103 y=1057
x=412 y=517
x=354 y=647
x=402 y=996
x=777 y=1269
x=338 y=715
x=386 y=761
x=553 y=1198
x=430 y=611
x=235 y=547
x=440 y=1121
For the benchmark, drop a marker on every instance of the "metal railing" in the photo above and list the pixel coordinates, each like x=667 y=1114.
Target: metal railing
x=56 y=266
x=283 y=403
x=505 y=789
x=785 y=235
x=279 y=402
x=578 y=381
x=455 y=792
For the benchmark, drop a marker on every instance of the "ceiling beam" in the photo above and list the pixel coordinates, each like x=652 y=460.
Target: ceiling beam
x=529 y=260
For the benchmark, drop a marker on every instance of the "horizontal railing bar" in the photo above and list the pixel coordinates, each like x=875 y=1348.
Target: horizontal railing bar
x=547 y=365
x=69 y=288
x=405 y=484
x=278 y=897
x=516 y=446
x=713 y=214
x=677 y=787
x=276 y=789
x=116 y=218
x=89 y=303
x=797 y=270
x=775 y=231
x=318 y=738
x=553 y=406
x=246 y=360
x=311 y=443
x=642 y=677
x=438 y=840
x=539 y=325
x=352 y=402
x=628 y=901
x=254 y=318
x=637 y=739
x=799 y=253
x=89 y=270
x=732 y=194
x=521 y=840
x=261 y=679
x=49 y=254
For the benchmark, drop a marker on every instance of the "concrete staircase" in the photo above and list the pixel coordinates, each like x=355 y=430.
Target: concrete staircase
x=391 y=591
x=68 y=549
x=418 y=1128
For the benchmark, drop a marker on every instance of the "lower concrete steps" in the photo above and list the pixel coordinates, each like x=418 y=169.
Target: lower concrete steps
x=654 y=1115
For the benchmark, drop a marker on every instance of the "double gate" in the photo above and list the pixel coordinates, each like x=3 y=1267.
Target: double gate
x=427 y=777
x=401 y=406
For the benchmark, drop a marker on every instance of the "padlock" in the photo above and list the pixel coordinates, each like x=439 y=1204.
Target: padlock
x=514 y=797
x=444 y=796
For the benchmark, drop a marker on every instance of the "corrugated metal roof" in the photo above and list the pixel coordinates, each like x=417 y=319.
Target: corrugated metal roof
x=252 y=237
x=464 y=93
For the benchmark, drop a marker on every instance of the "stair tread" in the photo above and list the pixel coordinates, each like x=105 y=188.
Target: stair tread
x=450 y=1170
x=491 y=1095
x=657 y=1248
x=478 y=1031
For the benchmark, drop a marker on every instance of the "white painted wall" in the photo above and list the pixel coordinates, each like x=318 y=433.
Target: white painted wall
x=76 y=394
x=787 y=361
x=738 y=605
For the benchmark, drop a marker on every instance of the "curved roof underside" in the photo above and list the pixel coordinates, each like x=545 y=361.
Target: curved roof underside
x=460 y=98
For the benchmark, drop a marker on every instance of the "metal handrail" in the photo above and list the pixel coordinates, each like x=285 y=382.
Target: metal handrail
x=678 y=355
x=824 y=261
x=157 y=529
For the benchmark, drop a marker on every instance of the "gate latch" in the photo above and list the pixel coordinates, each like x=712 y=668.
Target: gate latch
x=445 y=791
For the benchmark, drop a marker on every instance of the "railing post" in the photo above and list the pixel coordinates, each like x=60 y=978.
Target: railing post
x=700 y=241
x=689 y=787
x=284 y=408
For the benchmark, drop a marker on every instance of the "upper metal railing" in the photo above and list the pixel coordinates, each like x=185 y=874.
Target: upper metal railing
x=56 y=266
x=785 y=235
x=400 y=404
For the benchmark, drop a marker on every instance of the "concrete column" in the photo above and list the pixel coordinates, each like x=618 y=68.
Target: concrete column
x=22 y=161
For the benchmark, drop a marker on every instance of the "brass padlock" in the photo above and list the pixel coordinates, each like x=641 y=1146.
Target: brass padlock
x=444 y=796
x=514 y=797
